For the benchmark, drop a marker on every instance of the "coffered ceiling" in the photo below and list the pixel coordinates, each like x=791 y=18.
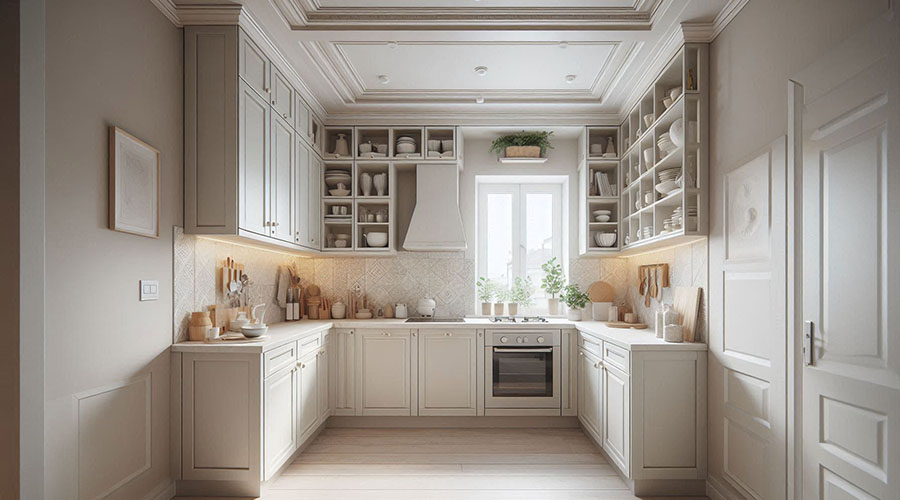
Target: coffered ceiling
x=470 y=61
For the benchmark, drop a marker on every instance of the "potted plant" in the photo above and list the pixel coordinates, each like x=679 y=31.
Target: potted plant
x=501 y=295
x=520 y=295
x=576 y=300
x=486 y=291
x=523 y=144
x=553 y=283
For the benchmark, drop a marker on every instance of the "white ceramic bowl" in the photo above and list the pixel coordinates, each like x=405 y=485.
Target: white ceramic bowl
x=648 y=119
x=376 y=239
x=602 y=218
x=605 y=239
x=405 y=148
x=648 y=156
x=340 y=243
x=674 y=93
x=253 y=331
x=363 y=314
x=666 y=187
x=602 y=212
x=339 y=192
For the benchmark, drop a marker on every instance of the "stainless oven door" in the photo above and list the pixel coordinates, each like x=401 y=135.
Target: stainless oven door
x=522 y=377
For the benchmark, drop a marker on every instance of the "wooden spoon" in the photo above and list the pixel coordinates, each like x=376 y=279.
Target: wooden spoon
x=654 y=288
x=643 y=278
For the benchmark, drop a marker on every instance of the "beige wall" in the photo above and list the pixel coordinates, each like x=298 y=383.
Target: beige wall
x=751 y=62
x=109 y=62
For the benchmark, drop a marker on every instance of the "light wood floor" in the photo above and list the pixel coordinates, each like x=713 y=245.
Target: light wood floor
x=444 y=464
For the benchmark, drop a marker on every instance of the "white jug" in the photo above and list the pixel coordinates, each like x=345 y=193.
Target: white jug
x=400 y=311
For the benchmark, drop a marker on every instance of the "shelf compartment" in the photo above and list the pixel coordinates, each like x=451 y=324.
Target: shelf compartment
x=378 y=142
x=344 y=167
x=332 y=231
x=416 y=133
x=332 y=136
x=372 y=169
x=440 y=143
x=598 y=143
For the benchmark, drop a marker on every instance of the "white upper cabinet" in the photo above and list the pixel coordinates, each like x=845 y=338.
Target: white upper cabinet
x=255 y=68
x=384 y=372
x=282 y=96
x=282 y=189
x=314 y=210
x=302 y=119
x=253 y=162
x=447 y=372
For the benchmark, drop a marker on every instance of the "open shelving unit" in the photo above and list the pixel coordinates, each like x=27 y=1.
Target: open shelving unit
x=646 y=206
x=599 y=189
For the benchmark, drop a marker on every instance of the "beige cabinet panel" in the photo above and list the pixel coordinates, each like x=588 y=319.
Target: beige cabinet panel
x=617 y=417
x=282 y=97
x=322 y=378
x=280 y=429
x=384 y=372
x=589 y=391
x=343 y=371
x=447 y=372
x=254 y=66
x=309 y=394
x=253 y=161
x=282 y=187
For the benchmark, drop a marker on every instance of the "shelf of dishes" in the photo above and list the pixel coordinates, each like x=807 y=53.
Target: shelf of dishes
x=679 y=216
x=602 y=143
x=381 y=143
x=357 y=225
x=363 y=180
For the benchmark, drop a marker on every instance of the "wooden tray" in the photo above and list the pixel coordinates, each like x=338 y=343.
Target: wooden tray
x=622 y=324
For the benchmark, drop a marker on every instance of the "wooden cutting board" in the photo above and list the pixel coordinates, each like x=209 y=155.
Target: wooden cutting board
x=601 y=291
x=622 y=324
x=687 y=305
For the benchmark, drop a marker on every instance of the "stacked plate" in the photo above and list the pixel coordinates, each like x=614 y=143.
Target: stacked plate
x=666 y=179
x=665 y=144
x=646 y=232
x=602 y=215
x=405 y=145
x=678 y=216
x=335 y=177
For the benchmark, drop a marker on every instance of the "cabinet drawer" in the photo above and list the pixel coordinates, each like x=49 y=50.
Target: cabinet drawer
x=310 y=344
x=590 y=344
x=280 y=357
x=617 y=357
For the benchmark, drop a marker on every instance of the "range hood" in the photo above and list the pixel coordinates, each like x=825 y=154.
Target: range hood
x=436 y=224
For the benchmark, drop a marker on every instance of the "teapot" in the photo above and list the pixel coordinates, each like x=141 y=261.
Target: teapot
x=425 y=307
x=239 y=322
x=400 y=311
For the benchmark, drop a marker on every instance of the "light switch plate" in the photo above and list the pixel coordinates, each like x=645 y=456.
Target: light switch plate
x=149 y=290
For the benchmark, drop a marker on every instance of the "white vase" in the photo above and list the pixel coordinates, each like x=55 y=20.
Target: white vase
x=553 y=307
x=341 y=148
x=513 y=308
x=574 y=315
x=498 y=309
x=366 y=184
x=380 y=181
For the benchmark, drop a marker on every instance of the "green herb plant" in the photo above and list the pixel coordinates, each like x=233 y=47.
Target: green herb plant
x=574 y=298
x=553 y=280
x=523 y=138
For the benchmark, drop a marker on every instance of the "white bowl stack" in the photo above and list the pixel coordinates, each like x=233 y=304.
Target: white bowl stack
x=667 y=179
x=602 y=215
x=605 y=240
x=678 y=216
x=665 y=145
x=405 y=145
x=646 y=232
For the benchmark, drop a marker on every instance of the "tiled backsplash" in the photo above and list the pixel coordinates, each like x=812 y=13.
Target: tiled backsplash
x=448 y=277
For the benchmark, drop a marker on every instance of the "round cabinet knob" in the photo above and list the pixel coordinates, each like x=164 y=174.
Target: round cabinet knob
x=503 y=340
x=526 y=339
x=540 y=340
x=518 y=340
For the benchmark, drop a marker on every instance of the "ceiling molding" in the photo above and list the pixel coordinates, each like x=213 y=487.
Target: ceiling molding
x=312 y=15
x=707 y=32
x=665 y=50
x=199 y=14
x=465 y=118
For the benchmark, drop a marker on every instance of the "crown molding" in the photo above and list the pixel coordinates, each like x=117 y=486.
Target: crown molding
x=707 y=32
x=199 y=14
x=312 y=15
x=469 y=118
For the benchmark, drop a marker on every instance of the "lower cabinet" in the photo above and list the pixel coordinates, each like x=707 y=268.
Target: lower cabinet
x=615 y=391
x=309 y=394
x=281 y=406
x=447 y=369
x=343 y=371
x=384 y=372
x=590 y=374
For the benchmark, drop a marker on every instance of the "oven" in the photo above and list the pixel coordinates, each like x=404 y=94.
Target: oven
x=522 y=369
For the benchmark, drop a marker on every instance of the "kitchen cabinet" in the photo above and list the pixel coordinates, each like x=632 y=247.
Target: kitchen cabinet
x=280 y=426
x=323 y=380
x=590 y=373
x=343 y=372
x=243 y=145
x=616 y=434
x=447 y=372
x=309 y=393
x=383 y=372
x=282 y=189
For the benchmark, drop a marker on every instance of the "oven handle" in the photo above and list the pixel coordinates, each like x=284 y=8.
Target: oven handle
x=524 y=349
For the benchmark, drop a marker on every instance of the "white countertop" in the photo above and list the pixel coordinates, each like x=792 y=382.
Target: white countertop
x=289 y=331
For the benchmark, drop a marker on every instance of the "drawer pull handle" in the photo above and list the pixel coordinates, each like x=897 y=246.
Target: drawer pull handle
x=596 y=365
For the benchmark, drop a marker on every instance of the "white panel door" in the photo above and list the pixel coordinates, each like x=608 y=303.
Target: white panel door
x=301 y=192
x=254 y=66
x=322 y=378
x=343 y=371
x=282 y=186
x=309 y=394
x=752 y=348
x=315 y=201
x=282 y=96
x=253 y=161
x=850 y=167
x=383 y=374
x=617 y=417
x=280 y=429
x=447 y=372
x=589 y=391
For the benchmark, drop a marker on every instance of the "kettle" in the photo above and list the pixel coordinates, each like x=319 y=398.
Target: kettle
x=425 y=307
x=400 y=311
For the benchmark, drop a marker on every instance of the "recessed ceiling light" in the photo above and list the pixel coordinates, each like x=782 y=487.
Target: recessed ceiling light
x=480 y=70
x=563 y=45
x=479 y=100
x=384 y=79
x=570 y=78
x=392 y=45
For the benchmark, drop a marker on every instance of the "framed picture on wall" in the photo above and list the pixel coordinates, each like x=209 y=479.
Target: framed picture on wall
x=133 y=185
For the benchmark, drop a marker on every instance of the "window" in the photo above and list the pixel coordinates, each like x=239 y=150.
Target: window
x=519 y=228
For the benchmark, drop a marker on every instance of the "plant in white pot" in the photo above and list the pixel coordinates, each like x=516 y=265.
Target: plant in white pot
x=520 y=295
x=576 y=300
x=487 y=289
x=553 y=283
x=501 y=295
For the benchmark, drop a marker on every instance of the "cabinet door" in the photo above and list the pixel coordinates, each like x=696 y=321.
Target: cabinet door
x=383 y=374
x=322 y=379
x=447 y=372
x=282 y=97
x=301 y=192
x=343 y=370
x=254 y=66
x=280 y=429
x=616 y=418
x=315 y=201
x=309 y=395
x=302 y=118
x=589 y=391
x=253 y=161
x=281 y=192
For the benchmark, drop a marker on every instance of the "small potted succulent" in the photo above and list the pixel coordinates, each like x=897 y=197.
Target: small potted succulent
x=520 y=295
x=553 y=283
x=576 y=300
x=501 y=295
x=523 y=144
x=487 y=289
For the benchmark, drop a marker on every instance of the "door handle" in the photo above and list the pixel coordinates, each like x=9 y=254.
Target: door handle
x=809 y=352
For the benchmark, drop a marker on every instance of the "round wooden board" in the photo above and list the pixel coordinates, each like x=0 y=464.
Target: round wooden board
x=601 y=291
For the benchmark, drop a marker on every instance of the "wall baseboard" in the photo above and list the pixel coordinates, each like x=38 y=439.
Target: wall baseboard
x=441 y=422
x=163 y=491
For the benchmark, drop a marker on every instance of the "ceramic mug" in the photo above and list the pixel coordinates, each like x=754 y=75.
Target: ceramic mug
x=335 y=210
x=343 y=210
